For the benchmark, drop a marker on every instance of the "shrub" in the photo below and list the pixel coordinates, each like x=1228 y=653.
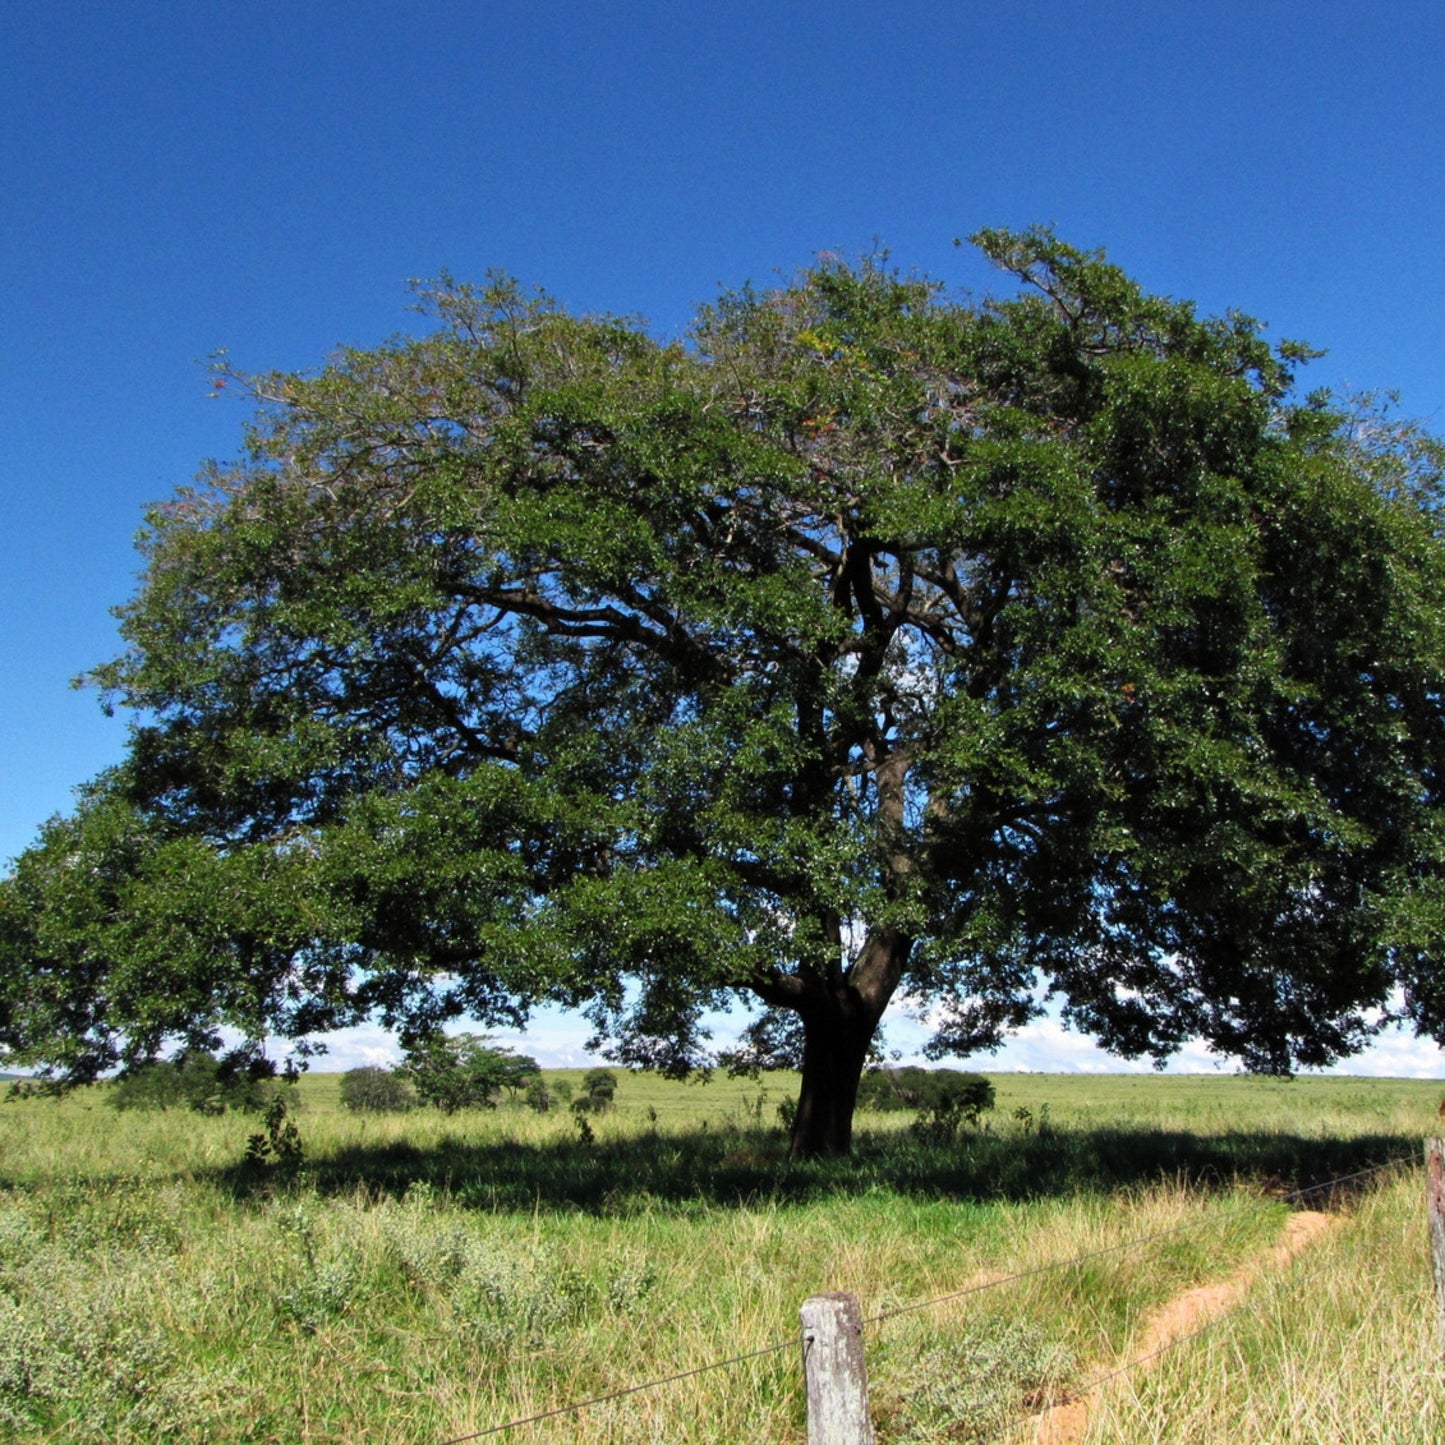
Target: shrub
x=974 y=1386
x=371 y=1090
x=280 y=1141
x=944 y=1099
x=194 y=1080
x=599 y=1088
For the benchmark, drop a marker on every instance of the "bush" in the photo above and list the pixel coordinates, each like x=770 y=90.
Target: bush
x=599 y=1088
x=195 y=1080
x=971 y=1387
x=280 y=1142
x=371 y=1090
x=944 y=1099
x=539 y=1097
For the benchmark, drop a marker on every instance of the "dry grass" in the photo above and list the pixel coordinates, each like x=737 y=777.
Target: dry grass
x=1339 y=1349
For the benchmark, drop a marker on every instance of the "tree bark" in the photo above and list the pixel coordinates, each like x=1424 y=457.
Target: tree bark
x=835 y=1046
x=839 y=1020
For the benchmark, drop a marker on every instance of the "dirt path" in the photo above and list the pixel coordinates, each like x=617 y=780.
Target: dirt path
x=1067 y=1424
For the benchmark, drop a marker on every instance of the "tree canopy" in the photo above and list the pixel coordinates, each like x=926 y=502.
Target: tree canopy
x=869 y=644
x=465 y=1071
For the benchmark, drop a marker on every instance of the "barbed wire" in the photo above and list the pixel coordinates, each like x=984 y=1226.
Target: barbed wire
x=1186 y=1227
x=625 y=1390
x=998 y=1283
x=919 y=1305
x=1347 y=1178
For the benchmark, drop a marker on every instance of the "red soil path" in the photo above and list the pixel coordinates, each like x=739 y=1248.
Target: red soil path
x=1067 y=1424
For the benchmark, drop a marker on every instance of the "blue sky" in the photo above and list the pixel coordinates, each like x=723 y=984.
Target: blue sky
x=180 y=178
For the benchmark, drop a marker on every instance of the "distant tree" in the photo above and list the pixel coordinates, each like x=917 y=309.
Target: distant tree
x=521 y=1073
x=153 y=1085
x=372 y=1090
x=465 y=1071
x=871 y=643
x=539 y=1096
x=599 y=1088
x=946 y=1094
x=193 y=1080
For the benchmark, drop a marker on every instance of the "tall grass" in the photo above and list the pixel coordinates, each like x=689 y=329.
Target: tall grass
x=1341 y=1347
x=423 y=1277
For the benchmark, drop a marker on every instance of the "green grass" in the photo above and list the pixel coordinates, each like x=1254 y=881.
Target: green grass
x=423 y=1277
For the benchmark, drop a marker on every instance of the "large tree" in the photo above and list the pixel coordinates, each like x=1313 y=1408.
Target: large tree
x=871 y=644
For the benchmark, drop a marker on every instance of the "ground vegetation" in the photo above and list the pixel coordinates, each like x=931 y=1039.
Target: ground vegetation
x=424 y=1275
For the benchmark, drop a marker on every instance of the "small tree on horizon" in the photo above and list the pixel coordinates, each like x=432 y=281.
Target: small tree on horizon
x=599 y=1089
x=464 y=1071
x=870 y=643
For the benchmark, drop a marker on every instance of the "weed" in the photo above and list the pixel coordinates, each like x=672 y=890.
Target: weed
x=629 y=1286
x=971 y=1386
x=319 y=1293
x=500 y=1295
x=753 y=1105
x=73 y=1350
x=280 y=1143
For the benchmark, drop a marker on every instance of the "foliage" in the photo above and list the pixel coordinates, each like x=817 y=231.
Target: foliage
x=599 y=1088
x=944 y=1099
x=871 y=641
x=970 y=1388
x=465 y=1071
x=945 y=1090
x=773 y=1041
x=195 y=1080
x=279 y=1142
x=372 y=1090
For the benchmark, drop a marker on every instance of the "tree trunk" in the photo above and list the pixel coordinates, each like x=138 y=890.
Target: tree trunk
x=836 y=1035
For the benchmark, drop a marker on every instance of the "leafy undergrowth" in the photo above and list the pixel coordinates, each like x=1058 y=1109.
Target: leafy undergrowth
x=971 y=1385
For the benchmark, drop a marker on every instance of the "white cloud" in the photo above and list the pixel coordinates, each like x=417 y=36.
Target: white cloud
x=1397 y=1054
x=374 y=1056
x=1046 y=1046
x=557 y=1040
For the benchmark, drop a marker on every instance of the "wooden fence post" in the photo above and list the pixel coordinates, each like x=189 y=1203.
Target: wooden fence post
x=836 y=1375
x=1435 y=1208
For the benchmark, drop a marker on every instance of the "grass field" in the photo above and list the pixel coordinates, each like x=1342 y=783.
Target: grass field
x=422 y=1278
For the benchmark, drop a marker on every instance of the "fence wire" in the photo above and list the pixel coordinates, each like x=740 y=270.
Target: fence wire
x=624 y=1390
x=1013 y=1427
x=1184 y=1228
